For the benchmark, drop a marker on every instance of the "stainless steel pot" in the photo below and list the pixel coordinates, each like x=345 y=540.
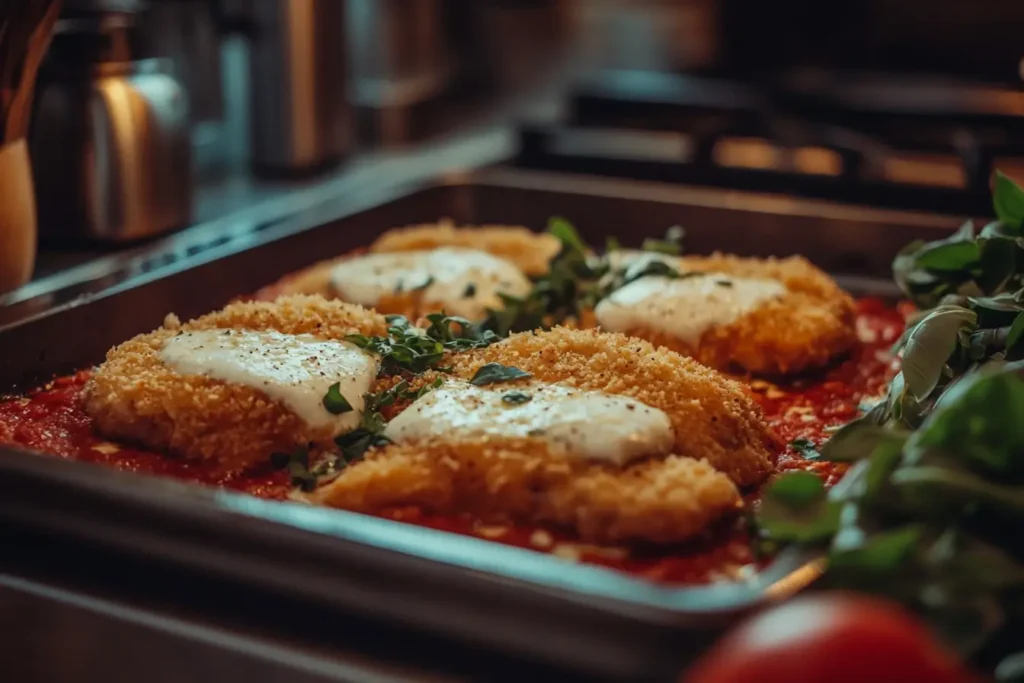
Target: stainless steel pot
x=399 y=52
x=109 y=142
x=300 y=116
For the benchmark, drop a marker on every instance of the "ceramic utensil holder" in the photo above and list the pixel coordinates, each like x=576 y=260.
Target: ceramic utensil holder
x=17 y=216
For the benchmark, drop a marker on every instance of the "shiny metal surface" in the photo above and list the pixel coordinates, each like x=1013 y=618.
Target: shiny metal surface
x=399 y=53
x=400 y=61
x=111 y=152
x=186 y=32
x=108 y=638
x=300 y=116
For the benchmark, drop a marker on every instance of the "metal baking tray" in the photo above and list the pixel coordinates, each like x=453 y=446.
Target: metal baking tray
x=465 y=591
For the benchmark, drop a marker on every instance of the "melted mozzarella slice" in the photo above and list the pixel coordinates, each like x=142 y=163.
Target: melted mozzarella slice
x=465 y=282
x=296 y=370
x=684 y=308
x=586 y=424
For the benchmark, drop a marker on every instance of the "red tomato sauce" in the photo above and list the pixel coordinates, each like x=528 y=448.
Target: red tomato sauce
x=52 y=420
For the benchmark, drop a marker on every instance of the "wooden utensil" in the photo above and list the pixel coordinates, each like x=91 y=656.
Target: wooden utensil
x=25 y=30
x=24 y=38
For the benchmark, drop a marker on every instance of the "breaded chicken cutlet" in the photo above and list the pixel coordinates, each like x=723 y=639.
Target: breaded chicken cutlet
x=422 y=269
x=608 y=435
x=237 y=385
x=760 y=316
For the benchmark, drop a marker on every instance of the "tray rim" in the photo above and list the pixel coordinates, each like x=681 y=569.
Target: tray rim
x=204 y=505
x=310 y=214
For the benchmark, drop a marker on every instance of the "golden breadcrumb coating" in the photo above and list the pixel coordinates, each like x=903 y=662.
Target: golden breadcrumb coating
x=658 y=501
x=714 y=418
x=134 y=396
x=530 y=251
x=807 y=328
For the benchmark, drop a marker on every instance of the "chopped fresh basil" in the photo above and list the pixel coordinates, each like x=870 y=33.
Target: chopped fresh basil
x=297 y=464
x=556 y=296
x=515 y=398
x=566 y=234
x=458 y=334
x=671 y=245
x=806 y=448
x=409 y=349
x=493 y=373
x=648 y=269
x=353 y=446
x=334 y=402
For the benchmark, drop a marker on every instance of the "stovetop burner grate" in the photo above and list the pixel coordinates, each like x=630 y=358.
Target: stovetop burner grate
x=928 y=147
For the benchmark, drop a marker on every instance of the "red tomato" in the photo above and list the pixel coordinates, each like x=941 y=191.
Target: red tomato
x=829 y=638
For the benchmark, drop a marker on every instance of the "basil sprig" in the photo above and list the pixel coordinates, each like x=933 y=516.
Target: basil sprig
x=370 y=432
x=576 y=281
x=931 y=512
x=353 y=445
x=413 y=350
x=672 y=245
x=933 y=518
x=297 y=464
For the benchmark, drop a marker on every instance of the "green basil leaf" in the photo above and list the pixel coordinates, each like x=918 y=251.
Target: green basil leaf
x=879 y=553
x=334 y=402
x=807 y=449
x=954 y=256
x=930 y=345
x=1013 y=339
x=995 y=311
x=955 y=492
x=516 y=398
x=1008 y=201
x=966 y=560
x=797 y=489
x=643 y=269
x=671 y=245
x=566 y=234
x=998 y=263
x=981 y=423
x=493 y=373
x=858 y=440
x=794 y=510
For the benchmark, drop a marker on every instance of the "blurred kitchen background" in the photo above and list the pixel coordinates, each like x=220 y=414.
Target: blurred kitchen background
x=154 y=116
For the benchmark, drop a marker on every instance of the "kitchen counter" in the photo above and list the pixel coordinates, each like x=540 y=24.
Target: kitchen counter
x=229 y=210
